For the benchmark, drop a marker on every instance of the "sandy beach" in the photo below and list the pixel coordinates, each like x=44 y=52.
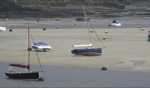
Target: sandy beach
x=125 y=48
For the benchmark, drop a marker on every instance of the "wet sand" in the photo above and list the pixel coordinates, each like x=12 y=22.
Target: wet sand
x=126 y=54
x=125 y=48
x=72 y=76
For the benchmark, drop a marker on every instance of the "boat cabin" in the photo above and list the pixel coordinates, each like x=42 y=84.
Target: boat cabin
x=82 y=46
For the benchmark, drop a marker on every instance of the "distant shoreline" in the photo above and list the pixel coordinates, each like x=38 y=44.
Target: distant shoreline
x=71 y=23
x=70 y=11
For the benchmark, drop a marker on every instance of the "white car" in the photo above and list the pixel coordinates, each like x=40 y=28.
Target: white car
x=41 y=46
x=2 y=29
x=115 y=23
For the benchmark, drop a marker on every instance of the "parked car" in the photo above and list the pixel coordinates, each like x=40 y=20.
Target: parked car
x=41 y=46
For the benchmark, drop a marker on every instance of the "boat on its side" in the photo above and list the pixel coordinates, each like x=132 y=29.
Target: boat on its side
x=88 y=50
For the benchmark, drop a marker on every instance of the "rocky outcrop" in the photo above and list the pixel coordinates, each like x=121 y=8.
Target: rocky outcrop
x=72 y=8
x=75 y=2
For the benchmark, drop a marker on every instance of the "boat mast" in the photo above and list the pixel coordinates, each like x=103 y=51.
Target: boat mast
x=37 y=55
x=89 y=24
x=28 y=46
x=86 y=19
x=6 y=23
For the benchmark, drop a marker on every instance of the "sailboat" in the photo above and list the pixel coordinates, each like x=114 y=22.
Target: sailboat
x=87 y=49
x=26 y=72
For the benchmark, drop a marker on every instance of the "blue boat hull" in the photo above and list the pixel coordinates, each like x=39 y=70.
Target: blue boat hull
x=87 y=52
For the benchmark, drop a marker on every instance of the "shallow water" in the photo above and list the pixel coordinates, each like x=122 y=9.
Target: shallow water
x=72 y=24
x=70 y=76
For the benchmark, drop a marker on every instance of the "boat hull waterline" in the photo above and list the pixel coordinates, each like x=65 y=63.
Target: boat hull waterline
x=22 y=75
x=87 y=52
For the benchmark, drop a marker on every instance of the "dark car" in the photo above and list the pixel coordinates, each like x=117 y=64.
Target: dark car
x=82 y=19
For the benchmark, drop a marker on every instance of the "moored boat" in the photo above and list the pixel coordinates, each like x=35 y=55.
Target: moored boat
x=24 y=71
x=87 y=49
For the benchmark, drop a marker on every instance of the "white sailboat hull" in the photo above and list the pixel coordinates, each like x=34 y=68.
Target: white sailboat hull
x=2 y=29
